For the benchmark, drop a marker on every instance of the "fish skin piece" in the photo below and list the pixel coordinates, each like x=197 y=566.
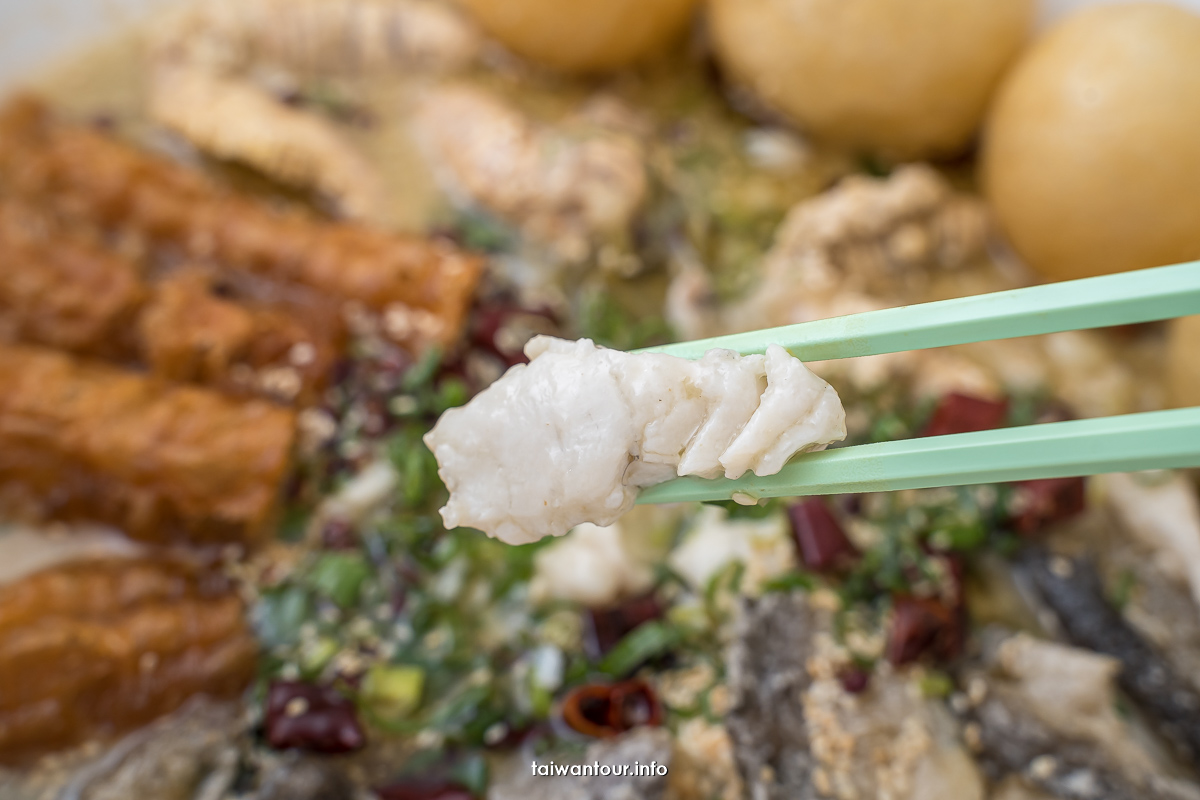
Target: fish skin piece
x=1012 y=742
x=767 y=679
x=1074 y=591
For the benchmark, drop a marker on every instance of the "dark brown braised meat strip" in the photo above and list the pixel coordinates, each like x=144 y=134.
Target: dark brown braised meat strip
x=163 y=463
x=59 y=289
x=1073 y=589
x=425 y=286
x=97 y=648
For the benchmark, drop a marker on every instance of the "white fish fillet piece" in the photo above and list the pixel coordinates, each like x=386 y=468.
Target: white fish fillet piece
x=796 y=413
x=571 y=436
x=732 y=387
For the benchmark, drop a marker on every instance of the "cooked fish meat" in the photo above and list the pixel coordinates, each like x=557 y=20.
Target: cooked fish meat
x=95 y=648
x=423 y=286
x=1073 y=692
x=569 y=191
x=889 y=741
x=570 y=437
x=1011 y=741
x=237 y=121
x=163 y=463
x=205 y=60
x=319 y=35
x=798 y=733
x=194 y=749
x=594 y=566
x=1162 y=512
x=867 y=235
x=1074 y=591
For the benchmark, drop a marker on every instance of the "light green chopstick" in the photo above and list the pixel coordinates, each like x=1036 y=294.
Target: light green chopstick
x=1122 y=299
x=1154 y=440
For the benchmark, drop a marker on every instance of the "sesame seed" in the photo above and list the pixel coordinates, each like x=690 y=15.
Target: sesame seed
x=743 y=499
x=973 y=736
x=977 y=690
x=147 y=663
x=402 y=405
x=1043 y=767
x=302 y=354
x=495 y=734
x=1062 y=567
x=296 y=707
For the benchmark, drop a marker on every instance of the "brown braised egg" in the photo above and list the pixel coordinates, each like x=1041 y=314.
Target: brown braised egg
x=584 y=35
x=906 y=80
x=1091 y=152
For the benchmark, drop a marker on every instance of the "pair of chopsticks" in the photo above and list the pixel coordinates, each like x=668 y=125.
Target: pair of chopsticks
x=1126 y=443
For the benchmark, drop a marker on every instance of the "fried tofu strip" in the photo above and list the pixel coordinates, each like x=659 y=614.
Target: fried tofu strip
x=59 y=289
x=95 y=648
x=68 y=294
x=163 y=463
x=424 y=286
x=188 y=333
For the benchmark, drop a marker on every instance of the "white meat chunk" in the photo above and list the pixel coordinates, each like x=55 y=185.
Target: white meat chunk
x=792 y=417
x=763 y=546
x=541 y=450
x=868 y=235
x=1162 y=512
x=319 y=36
x=593 y=566
x=731 y=387
x=1072 y=692
x=571 y=436
x=565 y=189
x=234 y=119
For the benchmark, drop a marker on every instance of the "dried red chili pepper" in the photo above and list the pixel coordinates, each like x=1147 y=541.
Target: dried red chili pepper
x=604 y=710
x=586 y=710
x=309 y=717
x=964 y=413
x=607 y=626
x=633 y=704
x=923 y=625
x=424 y=789
x=1042 y=502
x=819 y=537
x=855 y=680
x=490 y=321
x=339 y=534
